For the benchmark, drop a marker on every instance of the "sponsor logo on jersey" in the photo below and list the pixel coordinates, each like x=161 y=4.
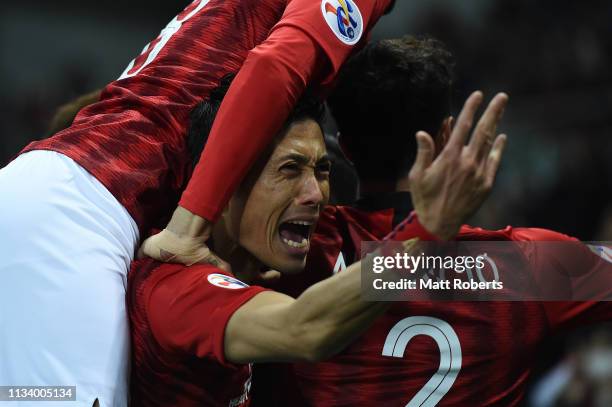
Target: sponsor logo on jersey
x=223 y=281
x=344 y=19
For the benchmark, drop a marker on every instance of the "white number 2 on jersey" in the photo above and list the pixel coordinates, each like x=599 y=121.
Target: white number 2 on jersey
x=450 y=354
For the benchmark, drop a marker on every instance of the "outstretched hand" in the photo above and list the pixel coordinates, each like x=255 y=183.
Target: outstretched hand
x=450 y=188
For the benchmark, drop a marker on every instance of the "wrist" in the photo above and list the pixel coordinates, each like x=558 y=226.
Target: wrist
x=432 y=230
x=187 y=224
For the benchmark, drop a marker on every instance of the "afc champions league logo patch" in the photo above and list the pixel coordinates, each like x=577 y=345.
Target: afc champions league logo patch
x=223 y=281
x=344 y=19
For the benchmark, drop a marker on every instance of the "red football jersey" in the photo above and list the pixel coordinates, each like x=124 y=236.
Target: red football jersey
x=178 y=317
x=134 y=139
x=425 y=354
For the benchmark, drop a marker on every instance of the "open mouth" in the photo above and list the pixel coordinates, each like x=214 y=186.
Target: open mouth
x=296 y=234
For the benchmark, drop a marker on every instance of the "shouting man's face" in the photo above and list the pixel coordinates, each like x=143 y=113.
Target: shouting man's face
x=275 y=211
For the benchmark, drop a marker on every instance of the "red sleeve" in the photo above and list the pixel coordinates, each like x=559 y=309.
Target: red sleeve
x=336 y=26
x=589 y=272
x=275 y=73
x=411 y=228
x=189 y=309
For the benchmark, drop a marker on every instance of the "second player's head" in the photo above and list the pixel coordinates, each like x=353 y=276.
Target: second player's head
x=274 y=211
x=385 y=94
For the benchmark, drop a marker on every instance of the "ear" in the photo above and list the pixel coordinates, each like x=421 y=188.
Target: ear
x=343 y=147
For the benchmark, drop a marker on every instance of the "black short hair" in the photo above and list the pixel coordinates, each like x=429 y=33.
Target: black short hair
x=202 y=117
x=385 y=94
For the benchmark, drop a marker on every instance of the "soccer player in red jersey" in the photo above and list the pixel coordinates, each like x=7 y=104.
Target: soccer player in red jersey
x=417 y=353
x=196 y=329
x=78 y=201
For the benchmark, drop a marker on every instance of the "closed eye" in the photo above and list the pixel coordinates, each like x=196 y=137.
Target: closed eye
x=290 y=169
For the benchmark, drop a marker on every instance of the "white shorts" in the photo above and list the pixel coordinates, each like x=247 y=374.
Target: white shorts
x=65 y=248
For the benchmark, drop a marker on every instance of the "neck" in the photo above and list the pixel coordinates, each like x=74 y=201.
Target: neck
x=244 y=266
x=370 y=187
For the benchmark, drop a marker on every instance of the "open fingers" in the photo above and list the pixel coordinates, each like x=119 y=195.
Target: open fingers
x=486 y=129
x=464 y=122
x=494 y=159
x=425 y=153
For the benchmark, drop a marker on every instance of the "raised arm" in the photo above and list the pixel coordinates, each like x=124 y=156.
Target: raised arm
x=301 y=50
x=258 y=102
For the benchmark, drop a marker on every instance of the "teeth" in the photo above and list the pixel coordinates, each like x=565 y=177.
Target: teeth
x=299 y=222
x=297 y=245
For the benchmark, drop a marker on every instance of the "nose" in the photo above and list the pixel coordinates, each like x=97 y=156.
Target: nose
x=310 y=193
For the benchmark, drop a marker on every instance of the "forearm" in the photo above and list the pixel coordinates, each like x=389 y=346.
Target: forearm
x=331 y=313
x=255 y=108
x=273 y=327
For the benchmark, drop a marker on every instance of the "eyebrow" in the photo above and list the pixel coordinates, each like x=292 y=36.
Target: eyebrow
x=303 y=160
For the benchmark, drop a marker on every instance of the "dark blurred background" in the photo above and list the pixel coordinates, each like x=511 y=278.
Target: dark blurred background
x=553 y=57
